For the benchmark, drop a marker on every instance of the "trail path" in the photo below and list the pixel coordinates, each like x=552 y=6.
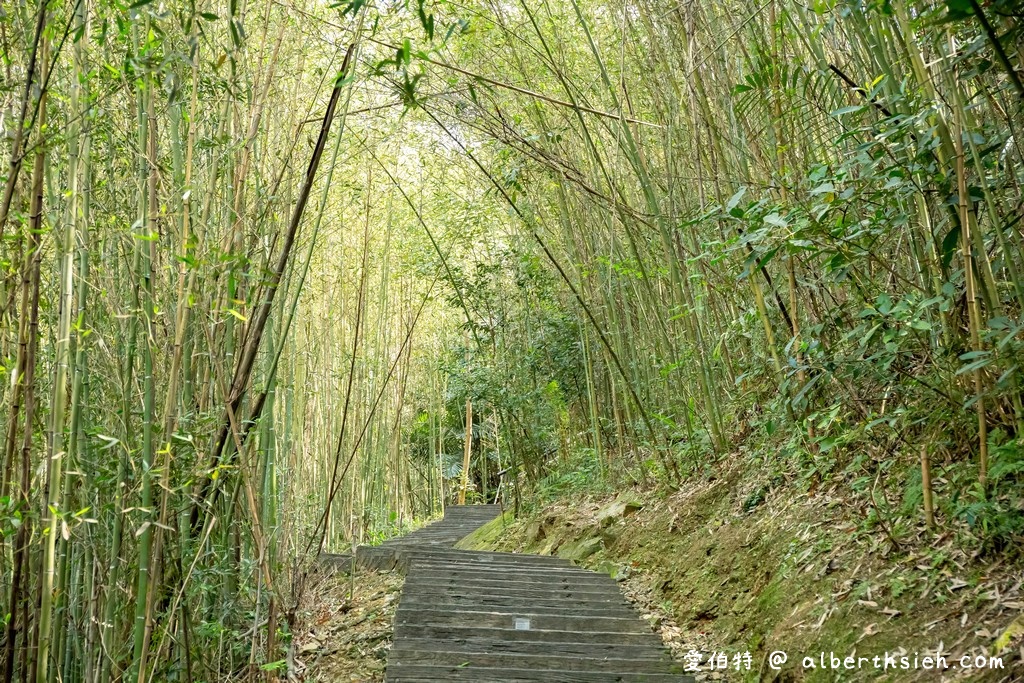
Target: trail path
x=488 y=617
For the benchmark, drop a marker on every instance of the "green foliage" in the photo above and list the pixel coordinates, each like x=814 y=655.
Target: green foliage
x=994 y=515
x=579 y=474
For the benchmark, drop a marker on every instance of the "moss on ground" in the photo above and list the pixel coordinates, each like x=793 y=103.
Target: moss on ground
x=488 y=535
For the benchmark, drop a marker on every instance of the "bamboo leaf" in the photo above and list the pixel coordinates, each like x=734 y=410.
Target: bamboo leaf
x=852 y=109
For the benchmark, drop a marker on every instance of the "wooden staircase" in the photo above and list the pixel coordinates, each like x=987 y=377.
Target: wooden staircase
x=490 y=617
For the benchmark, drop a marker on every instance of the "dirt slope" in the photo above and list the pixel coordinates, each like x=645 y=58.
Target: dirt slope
x=723 y=567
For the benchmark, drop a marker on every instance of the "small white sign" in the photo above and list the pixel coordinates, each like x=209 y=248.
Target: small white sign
x=522 y=624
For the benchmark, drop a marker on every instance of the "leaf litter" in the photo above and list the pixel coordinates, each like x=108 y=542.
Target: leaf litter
x=345 y=638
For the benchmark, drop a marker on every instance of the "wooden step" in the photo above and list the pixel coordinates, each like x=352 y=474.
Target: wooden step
x=421 y=673
x=591 y=661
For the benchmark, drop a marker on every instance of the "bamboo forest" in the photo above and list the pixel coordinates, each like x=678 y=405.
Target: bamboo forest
x=723 y=300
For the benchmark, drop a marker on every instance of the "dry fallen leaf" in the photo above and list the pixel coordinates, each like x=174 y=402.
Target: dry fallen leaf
x=869 y=630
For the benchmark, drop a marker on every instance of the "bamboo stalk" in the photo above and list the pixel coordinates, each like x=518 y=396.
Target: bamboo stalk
x=28 y=344
x=467 y=450
x=926 y=488
x=245 y=363
x=973 y=311
x=17 y=156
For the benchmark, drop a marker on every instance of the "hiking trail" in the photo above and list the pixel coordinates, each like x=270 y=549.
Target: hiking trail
x=490 y=616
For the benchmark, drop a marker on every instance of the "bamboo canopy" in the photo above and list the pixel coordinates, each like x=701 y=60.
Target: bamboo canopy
x=262 y=262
